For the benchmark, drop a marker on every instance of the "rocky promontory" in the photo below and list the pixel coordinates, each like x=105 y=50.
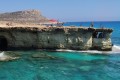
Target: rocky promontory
x=27 y=16
x=22 y=30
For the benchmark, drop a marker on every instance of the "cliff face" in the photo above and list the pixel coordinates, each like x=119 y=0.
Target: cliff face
x=28 y=16
x=50 y=38
x=14 y=36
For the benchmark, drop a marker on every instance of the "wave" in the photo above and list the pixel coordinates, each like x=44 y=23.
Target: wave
x=115 y=50
x=2 y=54
x=6 y=57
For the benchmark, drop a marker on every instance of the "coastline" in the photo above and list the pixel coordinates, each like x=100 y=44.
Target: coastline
x=54 y=38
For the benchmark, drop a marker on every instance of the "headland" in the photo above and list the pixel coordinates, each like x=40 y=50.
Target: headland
x=30 y=30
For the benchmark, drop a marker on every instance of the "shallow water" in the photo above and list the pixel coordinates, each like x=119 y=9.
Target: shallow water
x=65 y=66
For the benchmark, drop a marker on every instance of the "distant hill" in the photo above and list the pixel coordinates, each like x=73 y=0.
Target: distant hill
x=27 y=16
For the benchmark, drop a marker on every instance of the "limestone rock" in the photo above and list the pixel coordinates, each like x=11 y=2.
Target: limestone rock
x=42 y=55
x=27 y=16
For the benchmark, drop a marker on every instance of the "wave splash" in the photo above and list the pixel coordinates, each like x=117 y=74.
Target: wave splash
x=115 y=50
x=6 y=57
x=2 y=55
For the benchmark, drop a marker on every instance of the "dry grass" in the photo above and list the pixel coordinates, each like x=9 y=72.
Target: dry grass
x=7 y=24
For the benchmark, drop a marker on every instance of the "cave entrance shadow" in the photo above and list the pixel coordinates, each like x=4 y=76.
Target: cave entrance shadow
x=3 y=43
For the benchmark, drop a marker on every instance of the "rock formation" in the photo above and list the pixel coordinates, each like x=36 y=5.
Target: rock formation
x=27 y=16
x=14 y=36
x=54 y=38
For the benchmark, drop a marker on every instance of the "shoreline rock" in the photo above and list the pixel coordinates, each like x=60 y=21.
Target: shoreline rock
x=43 y=56
x=36 y=36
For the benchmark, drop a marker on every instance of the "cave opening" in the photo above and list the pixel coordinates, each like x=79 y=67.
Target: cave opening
x=3 y=43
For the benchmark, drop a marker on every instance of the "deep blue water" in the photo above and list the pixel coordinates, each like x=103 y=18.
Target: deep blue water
x=71 y=65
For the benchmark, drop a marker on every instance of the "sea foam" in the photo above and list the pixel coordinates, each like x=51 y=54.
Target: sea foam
x=115 y=50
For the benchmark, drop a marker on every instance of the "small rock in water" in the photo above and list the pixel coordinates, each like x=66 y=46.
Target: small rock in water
x=42 y=55
x=5 y=57
x=85 y=68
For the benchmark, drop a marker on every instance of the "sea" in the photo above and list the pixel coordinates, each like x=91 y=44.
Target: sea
x=67 y=64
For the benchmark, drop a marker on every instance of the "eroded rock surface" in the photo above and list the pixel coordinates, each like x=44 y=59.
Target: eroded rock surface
x=43 y=56
x=27 y=16
x=53 y=38
x=14 y=36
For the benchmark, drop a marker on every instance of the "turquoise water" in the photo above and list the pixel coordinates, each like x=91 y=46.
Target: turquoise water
x=71 y=65
x=65 y=66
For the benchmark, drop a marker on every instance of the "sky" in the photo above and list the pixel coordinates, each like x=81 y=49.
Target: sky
x=68 y=10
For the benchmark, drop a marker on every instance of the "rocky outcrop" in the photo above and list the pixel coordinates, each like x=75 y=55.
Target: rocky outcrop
x=22 y=36
x=27 y=16
x=43 y=56
x=53 y=38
